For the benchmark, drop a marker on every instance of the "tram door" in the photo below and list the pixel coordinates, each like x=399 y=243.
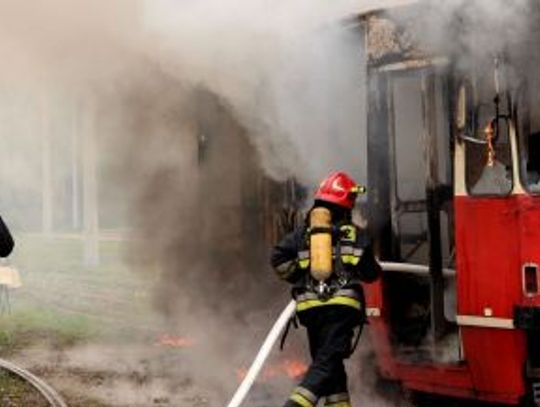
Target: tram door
x=420 y=208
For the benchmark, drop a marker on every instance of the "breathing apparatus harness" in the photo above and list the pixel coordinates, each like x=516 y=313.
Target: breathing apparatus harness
x=339 y=276
x=336 y=277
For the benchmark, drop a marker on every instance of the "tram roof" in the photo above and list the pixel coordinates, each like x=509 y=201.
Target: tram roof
x=371 y=6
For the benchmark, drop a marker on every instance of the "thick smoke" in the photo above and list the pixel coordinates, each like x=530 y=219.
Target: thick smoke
x=277 y=85
x=283 y=79
x=291 y=72
x=469 y=30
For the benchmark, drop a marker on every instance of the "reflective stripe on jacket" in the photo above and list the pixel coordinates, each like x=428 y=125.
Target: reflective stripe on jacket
x=348 y=297
x=349 y=255
x=291 y=260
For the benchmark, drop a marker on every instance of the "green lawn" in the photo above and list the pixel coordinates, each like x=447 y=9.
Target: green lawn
x=64 y=302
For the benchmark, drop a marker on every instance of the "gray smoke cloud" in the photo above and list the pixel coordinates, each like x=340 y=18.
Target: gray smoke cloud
x=282 y=79
x=285 y=68
x=292 y=73
x=469 y=30
x=145 y=80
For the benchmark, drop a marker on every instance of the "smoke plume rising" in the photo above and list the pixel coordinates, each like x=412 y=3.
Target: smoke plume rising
x=470 y=31
x=268 y=85
x=244 y=87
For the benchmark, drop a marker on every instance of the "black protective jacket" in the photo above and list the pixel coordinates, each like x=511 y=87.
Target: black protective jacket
x=6 y=240
x=354 y=263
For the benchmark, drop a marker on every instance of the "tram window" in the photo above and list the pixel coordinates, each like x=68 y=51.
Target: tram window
x=528 y=128
x=409 y=146
x=413 y=238
x=532 y=162
x=485 y=176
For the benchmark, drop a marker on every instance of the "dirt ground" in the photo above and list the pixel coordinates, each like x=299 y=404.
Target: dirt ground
x=94 y=335
x=15 y=392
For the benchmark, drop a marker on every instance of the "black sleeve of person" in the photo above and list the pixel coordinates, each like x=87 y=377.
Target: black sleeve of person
x=284 y=256
x=369 y=268
x=6 y=240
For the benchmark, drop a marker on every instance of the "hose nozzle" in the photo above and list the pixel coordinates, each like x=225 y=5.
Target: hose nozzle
x=359 y=189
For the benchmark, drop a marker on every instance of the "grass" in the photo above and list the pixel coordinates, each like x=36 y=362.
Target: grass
x=15 y=392
x=65 y=302
x=62 y=303
x=30 y=325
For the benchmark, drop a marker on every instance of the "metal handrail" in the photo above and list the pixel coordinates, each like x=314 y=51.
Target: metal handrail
x=416 y=269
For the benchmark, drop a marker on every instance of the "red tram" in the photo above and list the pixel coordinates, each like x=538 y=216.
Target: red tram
x=454 y=181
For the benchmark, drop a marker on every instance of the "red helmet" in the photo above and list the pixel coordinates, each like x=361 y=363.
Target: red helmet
x=340 y=189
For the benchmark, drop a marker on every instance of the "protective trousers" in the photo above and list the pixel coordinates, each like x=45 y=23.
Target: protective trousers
x=330 y=331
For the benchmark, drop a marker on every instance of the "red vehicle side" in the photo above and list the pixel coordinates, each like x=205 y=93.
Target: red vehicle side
x=454 y=179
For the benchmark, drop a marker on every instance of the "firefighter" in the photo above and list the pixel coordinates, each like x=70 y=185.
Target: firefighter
x=6 y=240
x=329 y=297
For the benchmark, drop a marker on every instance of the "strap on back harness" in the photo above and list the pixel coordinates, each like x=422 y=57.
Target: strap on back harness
x=356 y=341
x=292 y=321
x=325 y=291
x=343 y=278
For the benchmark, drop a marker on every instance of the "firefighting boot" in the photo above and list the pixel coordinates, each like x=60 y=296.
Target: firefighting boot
x=291 y=403
x=338 y=400
x=301 y=397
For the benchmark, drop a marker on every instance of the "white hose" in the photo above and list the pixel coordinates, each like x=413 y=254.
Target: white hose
x=46 y=391
x=409 y=268
x=265 y=350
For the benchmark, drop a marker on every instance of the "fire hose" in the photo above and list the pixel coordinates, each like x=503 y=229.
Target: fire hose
x=287 y=314
x=262 y=355
x=46 y=391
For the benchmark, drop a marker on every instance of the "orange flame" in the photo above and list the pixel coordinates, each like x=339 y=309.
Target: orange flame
x=294 y=368
x=291 y=368
x=175 y=341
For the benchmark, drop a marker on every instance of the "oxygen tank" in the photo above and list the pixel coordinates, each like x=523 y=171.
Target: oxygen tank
x=320 y=243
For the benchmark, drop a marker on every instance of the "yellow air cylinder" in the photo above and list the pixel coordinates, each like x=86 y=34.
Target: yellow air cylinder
x=320 y=243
